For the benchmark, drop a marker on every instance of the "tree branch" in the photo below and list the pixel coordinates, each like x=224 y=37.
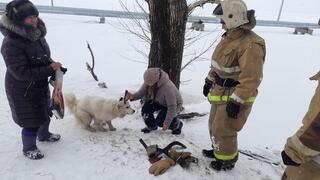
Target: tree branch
x=199 y=3
x=197 y=57
x=190 y=115
x=89 y=68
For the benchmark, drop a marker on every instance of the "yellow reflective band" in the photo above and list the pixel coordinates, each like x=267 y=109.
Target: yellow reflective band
x=225 y=157
x=212 y=98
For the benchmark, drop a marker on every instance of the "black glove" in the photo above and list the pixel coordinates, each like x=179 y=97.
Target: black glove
x=206 y=87
x=233 y=109
x=287 y=160
x=64 y=70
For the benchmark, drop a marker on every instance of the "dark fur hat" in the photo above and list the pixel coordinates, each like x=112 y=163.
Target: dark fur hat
x=18 y=10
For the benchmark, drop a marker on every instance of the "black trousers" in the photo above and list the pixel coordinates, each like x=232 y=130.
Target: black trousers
x=148 y=110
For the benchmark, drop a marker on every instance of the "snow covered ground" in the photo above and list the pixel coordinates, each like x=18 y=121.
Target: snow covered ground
x=81 y=155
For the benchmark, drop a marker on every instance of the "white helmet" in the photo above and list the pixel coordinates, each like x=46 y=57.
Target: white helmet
x=232 y=12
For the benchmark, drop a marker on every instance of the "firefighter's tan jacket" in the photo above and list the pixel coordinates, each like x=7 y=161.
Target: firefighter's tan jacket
x=240 y=56
x=304 y=145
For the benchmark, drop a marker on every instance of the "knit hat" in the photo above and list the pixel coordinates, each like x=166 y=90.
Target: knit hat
x=151 y=76
x=18 y=10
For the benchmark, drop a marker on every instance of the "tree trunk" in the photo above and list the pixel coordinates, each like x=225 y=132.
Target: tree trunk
x=168 y=20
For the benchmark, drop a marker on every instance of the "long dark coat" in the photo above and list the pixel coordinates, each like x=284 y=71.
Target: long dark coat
x=27 y=58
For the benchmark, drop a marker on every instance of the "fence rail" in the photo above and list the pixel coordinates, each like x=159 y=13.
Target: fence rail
x=138 y=15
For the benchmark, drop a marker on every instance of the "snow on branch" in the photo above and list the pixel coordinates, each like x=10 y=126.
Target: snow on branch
x=199 y=3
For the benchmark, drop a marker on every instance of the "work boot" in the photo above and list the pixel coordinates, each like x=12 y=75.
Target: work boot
x=208 y=153
x=33 y=154
x=148 y=129
x=177 y=131
x=50 y=138
x=225 y=165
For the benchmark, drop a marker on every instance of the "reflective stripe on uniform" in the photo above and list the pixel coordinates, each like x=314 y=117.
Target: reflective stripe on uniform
x=225 y=69
x=213 y=98
x=225 y=157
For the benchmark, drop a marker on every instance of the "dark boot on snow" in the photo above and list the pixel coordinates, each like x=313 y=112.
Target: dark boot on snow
x=30 y=150
x=148 y=129
x=177 y=131
x=50 y=137
x=225 y=165
x=208 y=153
x=33 y=154
x=45 y=135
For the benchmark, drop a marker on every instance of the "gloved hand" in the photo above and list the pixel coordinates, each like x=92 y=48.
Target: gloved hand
x=53 y=77
x=182 y=158
x=206 y=87
x=233 y=109
x=287 y=160
x=161 y=166
x=64 y=70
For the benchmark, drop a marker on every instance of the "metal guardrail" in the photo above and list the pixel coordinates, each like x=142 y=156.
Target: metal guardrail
x=137 y=15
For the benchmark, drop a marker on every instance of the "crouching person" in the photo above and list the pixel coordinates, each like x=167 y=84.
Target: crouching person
x=159 y=94
x=27 y=58
x=302 y=150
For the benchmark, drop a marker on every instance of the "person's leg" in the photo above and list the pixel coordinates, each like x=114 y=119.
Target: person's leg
x=225 y=131
x=45 y=135
x=306 y=171
x=29 y=137
x=161 y=114
x=176 y=125
x=148 y=117
x=43 y=132
x=209 y=152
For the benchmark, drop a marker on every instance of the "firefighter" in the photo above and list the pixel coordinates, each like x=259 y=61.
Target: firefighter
x=302 y=150
x=232 y=82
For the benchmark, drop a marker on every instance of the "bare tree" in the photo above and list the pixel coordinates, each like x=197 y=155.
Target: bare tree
x=165 y=32
x=168 y=19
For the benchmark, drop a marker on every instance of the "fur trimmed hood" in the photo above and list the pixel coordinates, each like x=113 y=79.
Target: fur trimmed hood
x=8 y=26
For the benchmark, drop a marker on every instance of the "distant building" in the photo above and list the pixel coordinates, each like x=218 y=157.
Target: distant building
x=303 y=30
x=198 y=25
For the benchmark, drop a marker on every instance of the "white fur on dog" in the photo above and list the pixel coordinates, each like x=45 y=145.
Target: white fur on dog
x=97 y=109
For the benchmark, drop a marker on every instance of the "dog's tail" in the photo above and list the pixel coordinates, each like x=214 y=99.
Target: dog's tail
x=71 y=102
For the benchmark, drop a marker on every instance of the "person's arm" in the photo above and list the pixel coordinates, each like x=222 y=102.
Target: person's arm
x=140 y=93
x=19 y=68
x=251 y=65
x=171 y=102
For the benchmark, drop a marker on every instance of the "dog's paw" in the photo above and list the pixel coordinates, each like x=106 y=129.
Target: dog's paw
x=103 y=129
x=113 y=129
x=91 y=129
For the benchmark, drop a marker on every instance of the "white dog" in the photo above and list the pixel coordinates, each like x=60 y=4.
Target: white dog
x=97 y=109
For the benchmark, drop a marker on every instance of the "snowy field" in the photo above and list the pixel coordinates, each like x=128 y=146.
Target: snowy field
x=81 y=155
